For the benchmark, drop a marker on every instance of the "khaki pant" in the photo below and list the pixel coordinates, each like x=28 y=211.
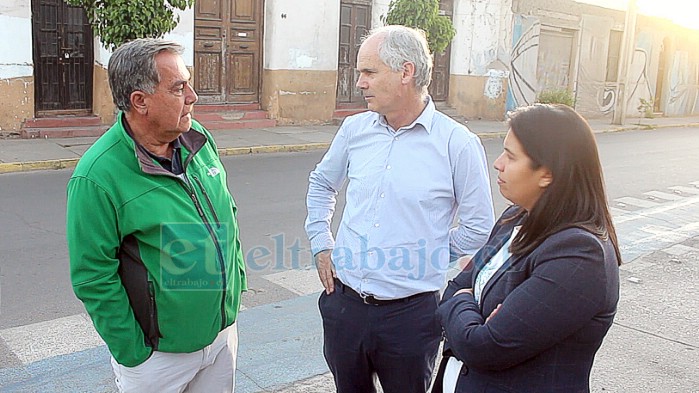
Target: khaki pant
x=211 y=369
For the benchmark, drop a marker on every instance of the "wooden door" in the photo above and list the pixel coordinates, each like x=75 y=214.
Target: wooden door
x=355 y=22
x=63 y=58
x=439 y=88
x=227 y=50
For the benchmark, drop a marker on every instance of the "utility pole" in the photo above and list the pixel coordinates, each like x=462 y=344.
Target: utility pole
x=628 y=46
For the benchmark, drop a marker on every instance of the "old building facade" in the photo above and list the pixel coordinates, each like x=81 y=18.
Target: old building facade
x=296 y=59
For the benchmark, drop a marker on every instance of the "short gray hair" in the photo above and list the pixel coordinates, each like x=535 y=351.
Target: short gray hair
x=403 y=44
x=132 y=68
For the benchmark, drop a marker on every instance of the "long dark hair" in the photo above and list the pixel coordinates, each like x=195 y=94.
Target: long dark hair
x=558 y=138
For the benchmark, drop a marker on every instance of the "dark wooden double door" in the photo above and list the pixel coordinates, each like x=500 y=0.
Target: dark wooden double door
x=227 y=50
x=63 y=58
x=355 y=23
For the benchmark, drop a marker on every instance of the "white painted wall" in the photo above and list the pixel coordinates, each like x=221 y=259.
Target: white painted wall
x=301 y=35
x=478 y=36
x=183 y=34
x=378 y=8
x=16 y=39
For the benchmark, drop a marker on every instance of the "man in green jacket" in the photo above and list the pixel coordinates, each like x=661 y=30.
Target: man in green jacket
x=155 y=254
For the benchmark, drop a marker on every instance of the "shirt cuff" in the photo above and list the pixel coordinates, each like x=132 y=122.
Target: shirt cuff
x=322 y=242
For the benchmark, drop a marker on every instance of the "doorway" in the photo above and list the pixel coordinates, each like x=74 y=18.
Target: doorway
x=227 y=50
x=439 y=87
x=63 y=58
x=355 y=23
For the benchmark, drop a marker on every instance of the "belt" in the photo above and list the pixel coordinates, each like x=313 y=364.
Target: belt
x=370 y=299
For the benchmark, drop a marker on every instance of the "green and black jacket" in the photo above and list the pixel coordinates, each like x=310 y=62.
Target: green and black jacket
x=155 y=258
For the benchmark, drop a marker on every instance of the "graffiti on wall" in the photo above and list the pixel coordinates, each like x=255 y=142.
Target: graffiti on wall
x=595 y=96
x=523 y=62
x=682 y=87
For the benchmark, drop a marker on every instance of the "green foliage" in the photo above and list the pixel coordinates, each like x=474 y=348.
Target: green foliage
x=556 y=96
x=422 y=14
x=119 y=21
x=645 y=108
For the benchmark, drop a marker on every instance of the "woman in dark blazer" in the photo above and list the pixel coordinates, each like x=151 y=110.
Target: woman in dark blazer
x=530 y=310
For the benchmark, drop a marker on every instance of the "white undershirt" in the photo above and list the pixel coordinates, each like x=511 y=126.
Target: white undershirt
x=453 y=367
x=493 y=266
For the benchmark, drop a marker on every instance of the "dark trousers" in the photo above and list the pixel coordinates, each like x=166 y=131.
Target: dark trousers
x=397 y=342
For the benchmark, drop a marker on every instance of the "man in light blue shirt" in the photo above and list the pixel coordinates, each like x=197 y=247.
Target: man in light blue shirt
x=412 y=173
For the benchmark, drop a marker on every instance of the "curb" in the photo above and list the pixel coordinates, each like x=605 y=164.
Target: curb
x=62 y=163
x=11 y=167
x=235 y=151
x=646 y=127
x=66 y=163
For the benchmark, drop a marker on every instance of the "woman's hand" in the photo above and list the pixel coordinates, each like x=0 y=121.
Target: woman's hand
x=492 y=314
x=464 y=290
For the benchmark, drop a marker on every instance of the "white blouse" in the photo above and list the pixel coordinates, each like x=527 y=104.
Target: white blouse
x=453 y=368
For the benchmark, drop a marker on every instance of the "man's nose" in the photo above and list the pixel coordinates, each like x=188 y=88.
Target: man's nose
x=192 y=96
x=361 y=83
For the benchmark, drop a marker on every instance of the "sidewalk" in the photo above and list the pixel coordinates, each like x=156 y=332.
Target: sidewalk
x=19 y=155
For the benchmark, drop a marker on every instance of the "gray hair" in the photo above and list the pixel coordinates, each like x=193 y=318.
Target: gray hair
x=403 y=44
x=132 y=68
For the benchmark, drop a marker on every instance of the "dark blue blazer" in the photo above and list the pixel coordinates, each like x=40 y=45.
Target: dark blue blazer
x=558 y=303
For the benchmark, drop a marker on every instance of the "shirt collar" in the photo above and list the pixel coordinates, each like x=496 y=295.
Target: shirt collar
x=425 y=118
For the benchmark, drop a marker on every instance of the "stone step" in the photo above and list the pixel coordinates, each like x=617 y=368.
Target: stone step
x=62 y=132
x=230 y=115
x=62 y=121
x=238 y=124
x=199 y=108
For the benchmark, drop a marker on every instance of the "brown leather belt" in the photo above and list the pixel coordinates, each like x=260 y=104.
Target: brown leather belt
x=370 y=299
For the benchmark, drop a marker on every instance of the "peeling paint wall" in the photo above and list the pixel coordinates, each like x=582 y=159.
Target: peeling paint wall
x=481 y=51
x=467 y=94
x=298 y=96
x=300 y=61
x=594 y=95
x=17 y=102
x=523 y=59
x=16 y=64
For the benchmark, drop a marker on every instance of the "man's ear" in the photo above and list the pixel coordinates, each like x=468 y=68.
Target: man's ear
x=546 y=177
x=138 y=102
x=408 y=72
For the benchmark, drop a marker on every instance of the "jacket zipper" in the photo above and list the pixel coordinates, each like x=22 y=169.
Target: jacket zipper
x=219 y=253
x=154 y=334
x=208 y=201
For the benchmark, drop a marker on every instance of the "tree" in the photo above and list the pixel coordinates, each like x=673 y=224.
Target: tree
x=422 y=14
x=119 y=21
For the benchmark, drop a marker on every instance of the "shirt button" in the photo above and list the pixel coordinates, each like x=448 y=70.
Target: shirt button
x=396 y=138
x=376 y=225
x=383 y=195
x=388 y=167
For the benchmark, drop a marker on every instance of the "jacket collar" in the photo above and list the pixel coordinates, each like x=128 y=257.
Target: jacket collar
x=192 y=141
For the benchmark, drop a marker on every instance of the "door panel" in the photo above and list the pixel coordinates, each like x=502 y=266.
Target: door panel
x=63 y=57
x=228 y=47
x=355 y=22
x=439 y=88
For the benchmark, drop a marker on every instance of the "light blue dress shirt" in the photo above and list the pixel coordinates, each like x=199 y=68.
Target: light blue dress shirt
x=406 y=189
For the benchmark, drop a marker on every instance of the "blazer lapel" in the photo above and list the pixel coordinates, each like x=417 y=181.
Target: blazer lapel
x=490 y=249
x=511 y=261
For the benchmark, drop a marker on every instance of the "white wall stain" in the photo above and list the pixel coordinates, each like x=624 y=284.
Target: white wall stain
x=493 y=85
x=300 y=59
